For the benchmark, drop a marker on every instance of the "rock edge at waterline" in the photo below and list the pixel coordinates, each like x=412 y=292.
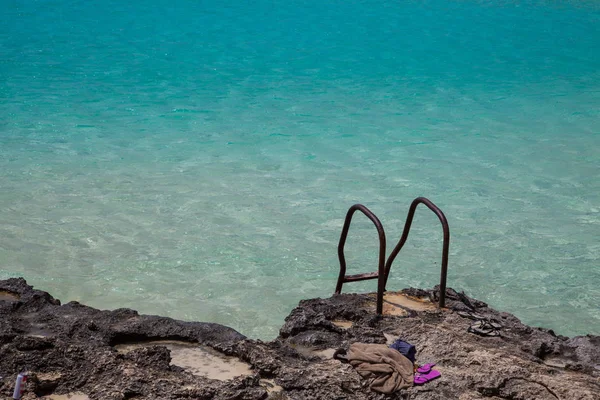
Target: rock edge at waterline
x=78 y=352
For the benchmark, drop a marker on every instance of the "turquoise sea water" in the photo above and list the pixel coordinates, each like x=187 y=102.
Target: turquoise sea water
x=196 y=158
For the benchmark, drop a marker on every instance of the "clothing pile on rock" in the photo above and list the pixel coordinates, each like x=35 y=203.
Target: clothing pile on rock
x=387 y=369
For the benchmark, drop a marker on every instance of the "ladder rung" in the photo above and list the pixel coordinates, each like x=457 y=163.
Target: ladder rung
x=361 y=277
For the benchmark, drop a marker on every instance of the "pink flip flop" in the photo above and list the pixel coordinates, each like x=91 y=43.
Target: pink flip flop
x=424 y=369
x=421 y=379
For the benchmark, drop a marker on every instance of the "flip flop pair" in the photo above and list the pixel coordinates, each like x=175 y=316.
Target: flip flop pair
x=421 y=379
x=485 y=328
x=482 y=326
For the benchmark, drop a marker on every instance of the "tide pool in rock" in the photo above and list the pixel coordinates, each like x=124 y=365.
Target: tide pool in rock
x=198 y=360
x=8 y=296
x=68 y=396
x=196 y=160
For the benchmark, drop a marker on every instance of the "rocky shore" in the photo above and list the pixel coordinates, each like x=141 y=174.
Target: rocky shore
x=77 y=352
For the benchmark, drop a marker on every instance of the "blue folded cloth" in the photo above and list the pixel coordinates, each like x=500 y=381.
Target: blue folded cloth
x=408 y=350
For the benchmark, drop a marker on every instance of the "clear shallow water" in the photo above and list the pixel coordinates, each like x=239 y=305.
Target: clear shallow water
x=196 y=160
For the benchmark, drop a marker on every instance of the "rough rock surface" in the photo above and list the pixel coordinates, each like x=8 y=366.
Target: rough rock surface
x=71 y=348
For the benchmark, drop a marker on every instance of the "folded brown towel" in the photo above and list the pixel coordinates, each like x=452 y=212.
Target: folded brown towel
x=387 y=369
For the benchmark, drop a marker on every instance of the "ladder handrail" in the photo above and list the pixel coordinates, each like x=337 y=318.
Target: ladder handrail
x=407 y=225
x=381 y=267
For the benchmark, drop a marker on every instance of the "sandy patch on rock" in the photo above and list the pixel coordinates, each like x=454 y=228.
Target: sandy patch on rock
x=343 y=324
x=396 y=303
x=270 y=385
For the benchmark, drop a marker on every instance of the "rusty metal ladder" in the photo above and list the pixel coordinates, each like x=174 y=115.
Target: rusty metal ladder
x=383 y=269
